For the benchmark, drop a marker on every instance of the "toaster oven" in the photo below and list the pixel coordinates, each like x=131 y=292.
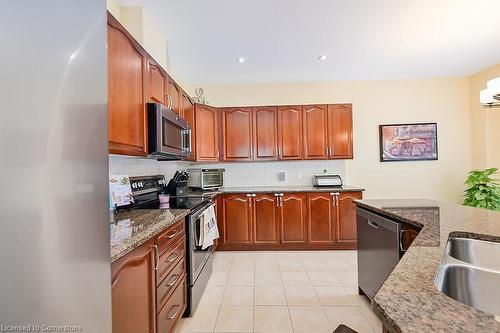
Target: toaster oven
x=206 y=179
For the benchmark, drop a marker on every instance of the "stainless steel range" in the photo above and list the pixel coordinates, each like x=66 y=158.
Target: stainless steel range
x=146 y=191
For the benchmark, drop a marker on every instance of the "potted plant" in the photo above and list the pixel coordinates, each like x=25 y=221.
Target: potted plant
x=482 y=191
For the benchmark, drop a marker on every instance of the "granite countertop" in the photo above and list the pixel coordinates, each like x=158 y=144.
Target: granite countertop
x=408 y=301
x=277 y=188
x=138 y=226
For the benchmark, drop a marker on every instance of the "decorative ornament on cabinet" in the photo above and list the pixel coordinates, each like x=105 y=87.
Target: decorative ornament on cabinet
x=200 y=96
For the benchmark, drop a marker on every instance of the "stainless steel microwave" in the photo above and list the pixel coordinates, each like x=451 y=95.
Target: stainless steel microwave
x=169 y=136
x=206 y=179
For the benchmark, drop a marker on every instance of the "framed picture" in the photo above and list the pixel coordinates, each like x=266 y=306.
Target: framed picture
x=408 y=142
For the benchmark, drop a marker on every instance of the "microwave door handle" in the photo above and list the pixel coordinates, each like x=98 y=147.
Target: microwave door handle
x=189 y=140
x=159 y=130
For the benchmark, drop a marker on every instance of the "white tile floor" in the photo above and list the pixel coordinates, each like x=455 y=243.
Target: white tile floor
x=282 y=292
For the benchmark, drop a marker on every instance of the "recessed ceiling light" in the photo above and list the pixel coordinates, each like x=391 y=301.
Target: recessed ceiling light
x=323 y=57
x=241 y=60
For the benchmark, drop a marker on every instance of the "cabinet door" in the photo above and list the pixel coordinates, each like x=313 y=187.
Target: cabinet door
x=127 y=119
x=236 y=134
x=293 y=218
x=265 y=219
x=290 y=132
x=315 y=132
x=265 y=133
x=237 y=219
x=132 y=291
x=156 y=83
x=322 y=214
x=188 y=115
x=207 y=143
x=175 y=94
x=340 y=130
x=345 y=231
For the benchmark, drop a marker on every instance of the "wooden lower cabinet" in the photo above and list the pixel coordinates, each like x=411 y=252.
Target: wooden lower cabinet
x=265 y=219
x=345 y=228
x=235 y=222
x=133 y=291
x=293 y=218
x=321 y=218
x=146 y=299
x=287 y=221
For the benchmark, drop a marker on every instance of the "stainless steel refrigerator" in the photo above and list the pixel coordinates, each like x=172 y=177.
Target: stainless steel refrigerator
x=54 y=237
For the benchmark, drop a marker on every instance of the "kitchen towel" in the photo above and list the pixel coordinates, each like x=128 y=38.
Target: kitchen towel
x=210 y=232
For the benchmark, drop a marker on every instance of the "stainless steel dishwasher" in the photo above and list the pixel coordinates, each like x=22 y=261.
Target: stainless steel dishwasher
x=379 y=250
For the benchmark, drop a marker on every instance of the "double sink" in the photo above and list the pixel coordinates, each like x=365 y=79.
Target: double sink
x=470 y=273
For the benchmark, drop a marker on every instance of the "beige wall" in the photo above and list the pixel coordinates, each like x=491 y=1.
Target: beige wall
x=485 y=124
x=445 y=101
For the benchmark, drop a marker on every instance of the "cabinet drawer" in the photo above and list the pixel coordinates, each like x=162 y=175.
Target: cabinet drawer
x=170 y=236
x=170 y=258
x=172 y=310
x=165 y=287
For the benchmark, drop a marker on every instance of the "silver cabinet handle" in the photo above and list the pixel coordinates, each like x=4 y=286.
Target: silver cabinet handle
x=172 y=316
x=157 y=257
x=175 y=256
x=172 y=235
x=337 y=198
x=326 y=151
x=281 y=200
x=249 y=195
x=170 y=284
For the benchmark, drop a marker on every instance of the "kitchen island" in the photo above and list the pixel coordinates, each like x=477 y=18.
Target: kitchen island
x=408 y=301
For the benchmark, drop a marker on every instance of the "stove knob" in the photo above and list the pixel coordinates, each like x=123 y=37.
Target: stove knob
x=133 y=185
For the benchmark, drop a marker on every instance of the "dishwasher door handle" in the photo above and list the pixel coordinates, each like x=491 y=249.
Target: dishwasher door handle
x=372 y=224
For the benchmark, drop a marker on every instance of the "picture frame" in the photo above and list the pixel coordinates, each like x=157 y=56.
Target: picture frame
x=408 y=142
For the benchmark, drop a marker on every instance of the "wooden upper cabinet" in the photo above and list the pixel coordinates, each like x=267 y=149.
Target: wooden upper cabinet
x=293 y=218
x=265 y=219
x=133 y=291
x=206 y=136
x=156 y=83
x=187 y=112
x=175 y=95
x=315 y=132
x=340 y=130
x=127 y=118
x=321 y=218
x=265 y=133
x=345 y=231
x=237 y=134
x=290 y=132
x=236 y=211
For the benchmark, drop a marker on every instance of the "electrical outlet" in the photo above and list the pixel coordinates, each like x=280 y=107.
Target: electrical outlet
x=282 y=176
x=299 y=175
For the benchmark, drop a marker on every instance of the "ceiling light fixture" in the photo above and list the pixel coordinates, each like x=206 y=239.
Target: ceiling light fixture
x=241 y=60
x=323 y=57
x=490 y=97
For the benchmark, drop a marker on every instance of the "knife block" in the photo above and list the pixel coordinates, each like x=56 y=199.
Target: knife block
x=177 y=189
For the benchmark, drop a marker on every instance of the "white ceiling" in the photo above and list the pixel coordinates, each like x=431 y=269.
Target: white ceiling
x=364 y=39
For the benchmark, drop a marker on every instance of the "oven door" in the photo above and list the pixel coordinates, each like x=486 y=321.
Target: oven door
x=196 y=256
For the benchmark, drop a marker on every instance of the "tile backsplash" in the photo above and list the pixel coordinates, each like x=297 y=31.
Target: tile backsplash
x=135 y=166
x=288 y=173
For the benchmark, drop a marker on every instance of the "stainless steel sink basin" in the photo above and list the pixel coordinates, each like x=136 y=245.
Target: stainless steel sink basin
x=472 y=286
x=475 y=252
x=470 y=273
